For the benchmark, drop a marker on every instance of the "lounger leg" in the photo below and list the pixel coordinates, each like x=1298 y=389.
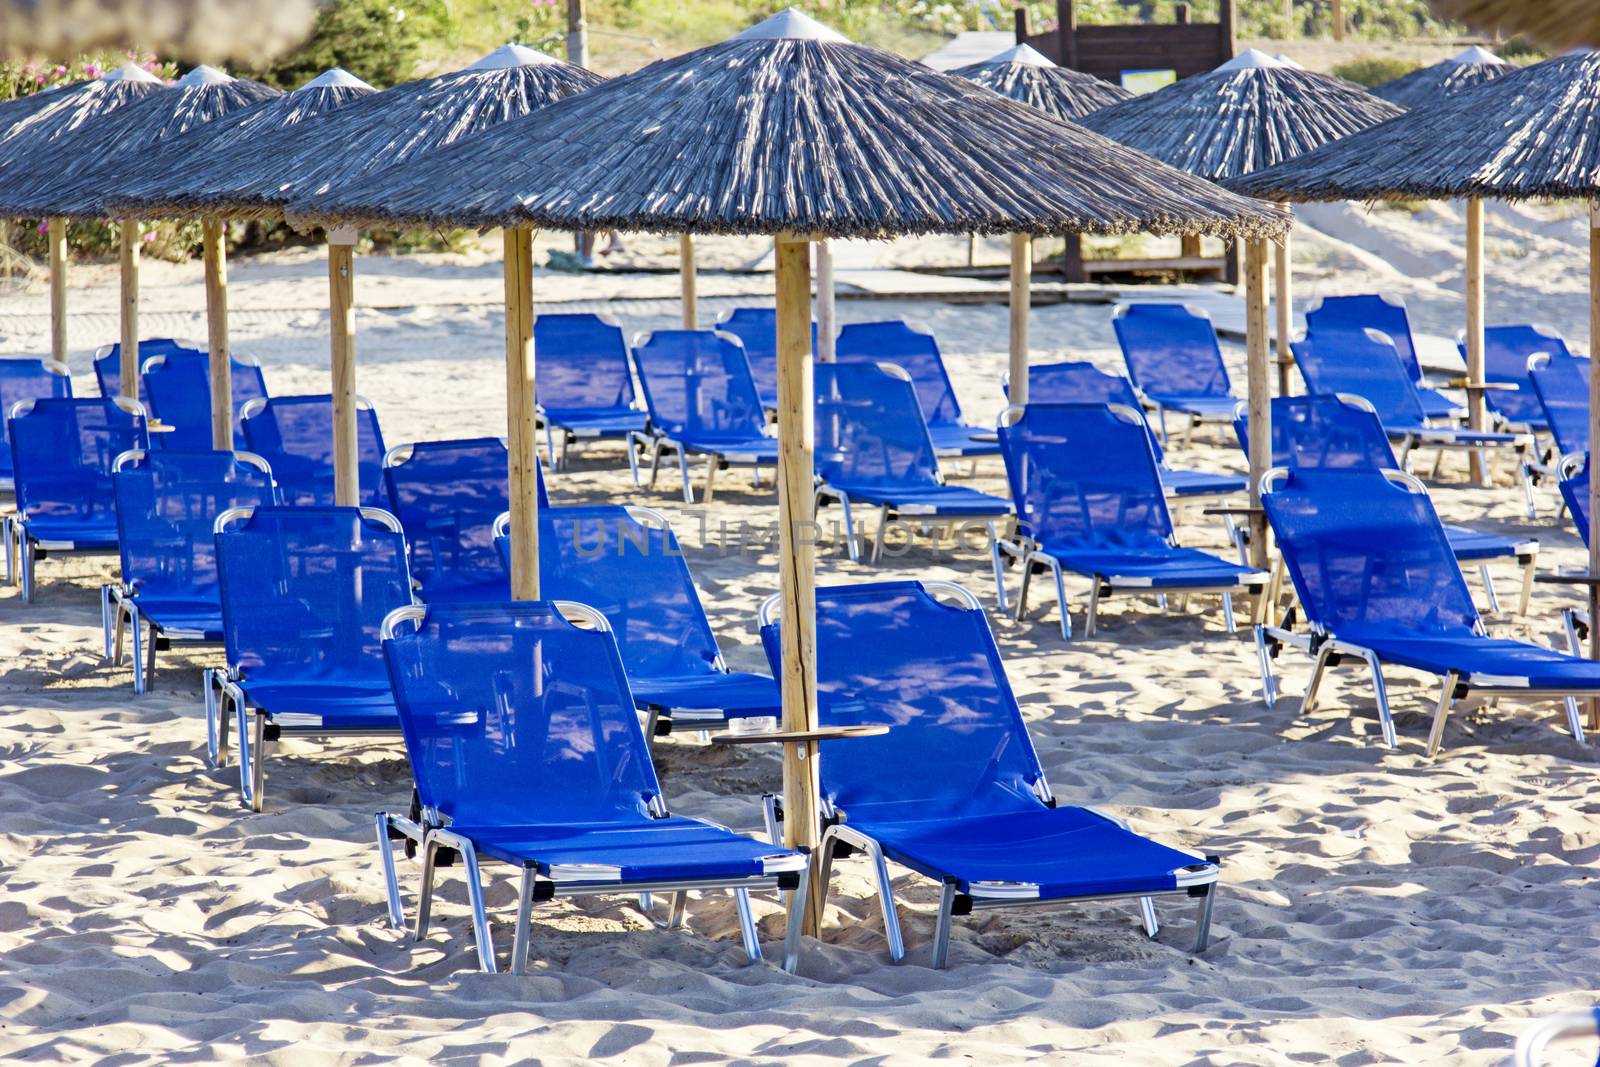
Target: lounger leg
x=796 y=923
x=252 y=758
x=1094 y=606
x=480 y=915
x=1446 y=698
x=141 y=684
x=550 y=446
x=683 y=470
x=1527 y=586
x=1527 y=489
x=1269 y=685
x=679 y=912
x=851 y=545
x=1227 y=613
x=941 y=928
x=430 y=849
x=747 y=925
x=105 y=619
x=8 y=533
x=28 y=559
x=1381 y=693
x=769 y=815
x=1488 y=588
x=391 y=883
x=711 y=478
x=213 y=732
x=1309 y=701
x=1202 y=935
x=883 y=531
x=566 y=446
x=519 y=944
x=1147 y=913
x=1161 y=421
x=119 y=627
x=1574 y=643
x=891 y=920
x=1022 y=590
x=1061 y=598
x=633 y=458
x=655 y=463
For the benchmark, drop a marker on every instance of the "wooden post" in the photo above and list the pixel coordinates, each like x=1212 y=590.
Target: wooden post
x=1072 y=259
x=1594 y=419
x=826 y=319
x=1067 y=33
x=58 y=290
x=577 y=34
x=797 y=534
x=1021 y=297
x=1019 y=24
x=1338 y=20
x=128 y=382
x=1288 y=19
x=1285 y=316
x=1258 y=379
x=1189 y=246
x=342 y=336
x=691 y=308
x=522 y=440
x=214 y=249
x=1474 y=293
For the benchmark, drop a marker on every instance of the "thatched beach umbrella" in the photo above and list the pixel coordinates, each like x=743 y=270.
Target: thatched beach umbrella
x=1250 y=113
x=1533 y=134
x=1426 y=85
x=57 y=117
x=72 y=178
x=786 y=131
x=1028 y=77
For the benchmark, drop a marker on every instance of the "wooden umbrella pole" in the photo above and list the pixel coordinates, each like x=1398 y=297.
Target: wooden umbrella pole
x=128 y=382
x=1474 y=293
x=215 y=251
x=826 y=319
x=691 y=303
x=797 y=535
x=58 y=290
x=1258 y=379
x=1021 y=298
x=342 y=337
x=522 y=440
x=1594 y=420
x=1285 y=315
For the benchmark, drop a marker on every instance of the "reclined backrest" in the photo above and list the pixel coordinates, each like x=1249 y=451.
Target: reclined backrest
x=27 y=379
x=108 y=362
x=870 y=430
x=1322 y=430
x=1383 y=312
x=1575 y=491
x=698 y=385
x=513 y=716
x=179 y=390
x=1084 y=383
x=1361 y=363
x=1562 y=386
x=295 y=435
x=757 y=328
x=62 y=449
x=1170 y=350
x=1506 y=351
x=447 y=495
x=913 y=350
x=583 y=363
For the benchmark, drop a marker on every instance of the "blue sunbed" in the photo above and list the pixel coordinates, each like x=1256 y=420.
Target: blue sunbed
x=179 y=390
x=27 y=379
x=1175 y=361
x=757 y=330
x=1561 y=384
x=1387 y=314
x=585 y=384
x=1506 y=352
x=913 y=349
x=295 y=435
x=107 y=361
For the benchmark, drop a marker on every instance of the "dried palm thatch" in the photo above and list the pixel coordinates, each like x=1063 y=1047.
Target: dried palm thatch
x=65 y=111
x=1028 y=77
x=210 y=30
x=68 y=179
x=1534 y=133
x=789 y=127
x=1248 y=114
x=141 y=183
x=1557 y=23
x=255 y=179
x=1426 y=85
x=14 y=111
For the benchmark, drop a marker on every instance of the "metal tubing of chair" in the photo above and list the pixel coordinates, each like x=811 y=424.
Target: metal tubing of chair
x=28 y=557
x=246 y=754
x=883 y=532
x=1488 y=588
x=747 y=925
x=1147 y=913
x=1061 y=598
x=480 y=914
x=119 y=624
x=136 y=627
x=430 y=847
x=795 y=924
x=941 y=928
x=998 y=566
x=1092 y=620
x=1269 y=691
x=683 y=470
x=1202 y=936
x=1309 y=701
x=1569 y=618
x=769 y=816
x=7 y=534
x=1022 y=590
x=258 y=769
x=391 y=882
x=711 y=479
x=1442 y=712
x=680 y=910
x=1381 y=692
x=633 y=459
x=1574 y=718
x=891 y=919
x=1227 y=613
x=213 y=733
x=519 y=943
x=1527 y=586
x=105 y=619
x=151 y=649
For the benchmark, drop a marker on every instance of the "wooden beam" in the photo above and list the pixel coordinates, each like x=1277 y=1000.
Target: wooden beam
x=128 y=252
x=691 y=303
x=826 y=316
x=522 y=441
x=1285 y=315
x=1258 y=381
x=214 y=250
x=1073 y=267
x=797 y=535
x=58 y=290
x=577 y=34
x=342 y=337
x=1474 y=294
x=1594 y=420
x=1338 y=20
x=1021 y=297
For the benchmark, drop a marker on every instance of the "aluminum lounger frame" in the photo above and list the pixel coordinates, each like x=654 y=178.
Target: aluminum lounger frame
x=1327 y=649
x=224 y=695
x=1532 y=1042
x=1547 y=463
x=7 y=485
x=1155 y=405
x=838 y=833
x=432 y=834
x=571 y=436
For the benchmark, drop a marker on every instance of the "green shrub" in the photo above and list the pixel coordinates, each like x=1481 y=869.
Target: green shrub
x=1522 y=50
x=376 y=40
x=1374 y=70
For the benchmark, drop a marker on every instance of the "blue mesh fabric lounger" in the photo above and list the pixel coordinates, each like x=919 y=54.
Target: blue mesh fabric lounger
x=873 y=448
x=526 y=749
x=1573 y=472
x=304 y=592
x=167 y=504
x=954 y=790
x=108 y=361
x=1387 y=314
x=586 y=384
x=1562 y=386
x=62 y=449
x=27 y=379
x=702 y=400
x=626 y=563
x=178 y=386
x=757 y=329
x=1105 y=521
x=914 y=350
x=1174 y=360
x=295 y=435
x=1506 y=352
x=1344 y=432
x=1378 y=581
x=447 y=495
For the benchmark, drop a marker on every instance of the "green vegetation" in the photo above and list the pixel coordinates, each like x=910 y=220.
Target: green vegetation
x=1374 y=70
x=375 y=40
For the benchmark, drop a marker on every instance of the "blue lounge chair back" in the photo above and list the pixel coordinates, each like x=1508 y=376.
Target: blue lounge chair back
x=1170 y=350
x=304 y=591
x=513 y=717
x=1575 y=491
x=1562 y=386
x=583 y=364
x=108 y=362
x=1368 y=556
x=698 y=386
x=757 y=328
x=1368 y=311
x=1360 y=363
x=1322 y=431
x=1083 y=475
x=295 y=435
x=179 y=392
x=870 y=430
x=888 y=652
x=167 y=505
x=1506 y=351
x=1083 y=383
x=913 y=350
x=27 y=379
x=62 y=450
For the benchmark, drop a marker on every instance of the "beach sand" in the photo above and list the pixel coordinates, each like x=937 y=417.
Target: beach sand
x=1375 y=906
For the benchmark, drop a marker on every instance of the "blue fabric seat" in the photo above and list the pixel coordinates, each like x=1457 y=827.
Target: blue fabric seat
x=585 y=384
x=1105 y=521
x=915 y=351
x=294 y=434
x=107 y=362
x=1387 y=314
x=167 y=503
x=525 y=747
x=178 y=385
x=304 y=593
x=757 y=330
x=954 y=789
x=1175 y=361
x=1506 y=352
x=26 y=379
x=62 y=451
x=1377 y=580
x=1562 y=386
x=703 y=401
x=872 y=447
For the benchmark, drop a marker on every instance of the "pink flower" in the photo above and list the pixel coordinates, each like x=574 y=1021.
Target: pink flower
x=44 y=227
x=92 y=69
x=60 y=71
x=147 y=238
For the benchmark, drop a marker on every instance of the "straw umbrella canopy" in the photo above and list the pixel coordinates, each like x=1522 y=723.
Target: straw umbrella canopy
x=1025 y=75
x=1424 y=86
x=786 y=131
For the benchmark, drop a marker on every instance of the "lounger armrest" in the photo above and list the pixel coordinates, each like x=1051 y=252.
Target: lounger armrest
x=827 y=733
x=1235 y=511
x=1568 y=579
x=1471 y=386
